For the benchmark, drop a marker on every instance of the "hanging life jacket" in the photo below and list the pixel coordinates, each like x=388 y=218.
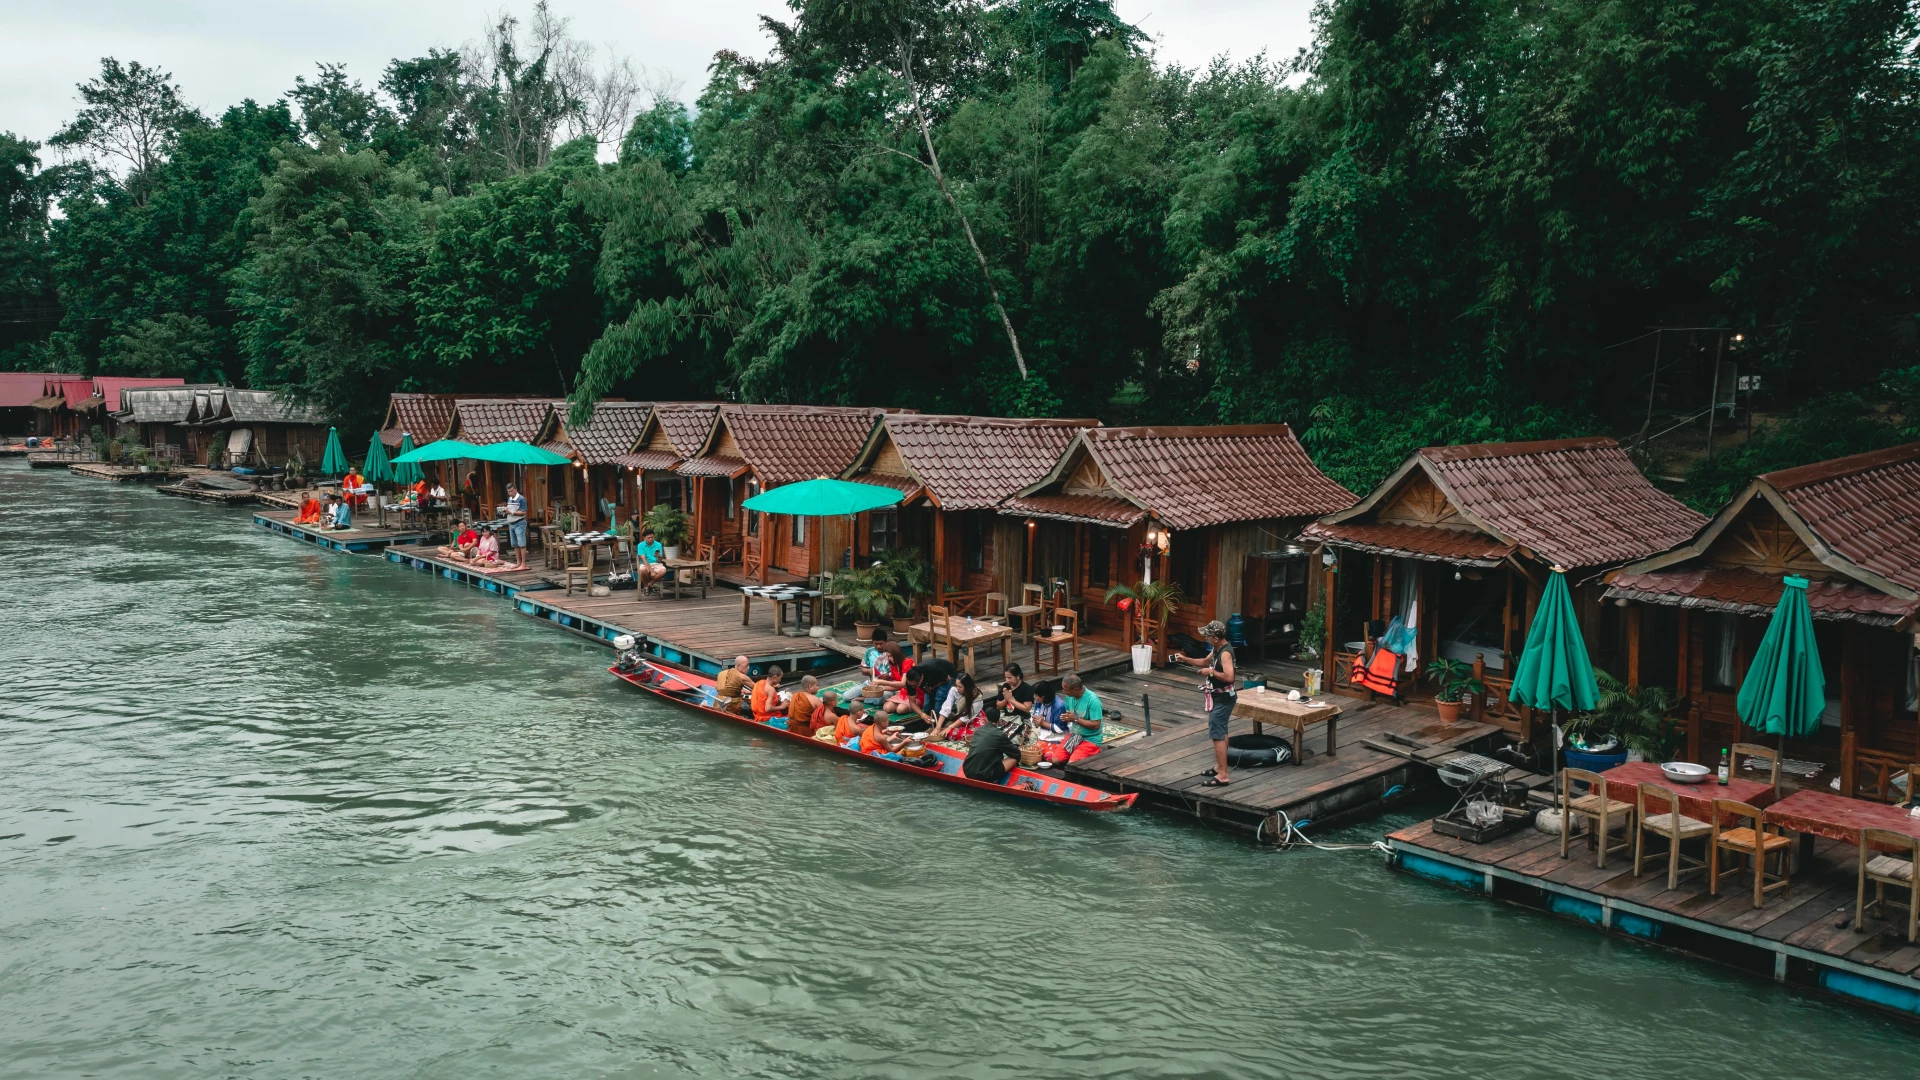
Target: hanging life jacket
x=1381 y=673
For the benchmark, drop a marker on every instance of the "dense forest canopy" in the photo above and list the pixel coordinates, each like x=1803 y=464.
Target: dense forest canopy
x=1450 y=220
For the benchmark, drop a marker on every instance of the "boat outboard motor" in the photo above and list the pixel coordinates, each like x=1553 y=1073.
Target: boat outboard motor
x=627 y=648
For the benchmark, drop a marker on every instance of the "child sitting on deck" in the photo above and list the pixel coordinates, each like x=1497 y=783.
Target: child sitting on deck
x=488 y=550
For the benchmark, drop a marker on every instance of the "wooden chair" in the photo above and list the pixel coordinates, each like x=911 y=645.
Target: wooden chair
x=993 y=608
x=1069 y=634
x=1755 y=750
x=550 y=546
x=830 y=598
x=940 y=627
x=1599 y=810
x=1753 y=841
x=1673 y=825
x=1885 y=870
x=576 y=566
x=1032 y=603
x=701 y=575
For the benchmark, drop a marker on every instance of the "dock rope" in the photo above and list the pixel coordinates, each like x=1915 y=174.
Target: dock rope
x=1292 y=836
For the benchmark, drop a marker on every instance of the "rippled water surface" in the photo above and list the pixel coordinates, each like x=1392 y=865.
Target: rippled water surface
x=268 y=812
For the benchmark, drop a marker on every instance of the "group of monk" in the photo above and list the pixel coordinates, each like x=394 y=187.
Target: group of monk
x=334 y=513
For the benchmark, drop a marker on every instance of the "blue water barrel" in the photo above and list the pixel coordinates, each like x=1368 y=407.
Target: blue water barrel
x=1236 y=629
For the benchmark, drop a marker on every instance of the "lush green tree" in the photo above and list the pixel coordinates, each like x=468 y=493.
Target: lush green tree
x=173 y=344
x=29 y=304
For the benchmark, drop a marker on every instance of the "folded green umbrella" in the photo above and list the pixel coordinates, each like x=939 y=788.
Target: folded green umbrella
x=1785 y=691
x=1554 y=671
x=823 y=498
x=441 y=450
x=407 y=472
x=334 y=461
x=377 y=469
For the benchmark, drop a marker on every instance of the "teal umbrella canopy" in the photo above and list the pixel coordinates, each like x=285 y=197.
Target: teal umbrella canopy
x=377 y=469
x=440 y=450
x=513 y=453
x=823 y=498
x=407 y=472
x=1784 y=691
x=1554 y=671
x=334 y=461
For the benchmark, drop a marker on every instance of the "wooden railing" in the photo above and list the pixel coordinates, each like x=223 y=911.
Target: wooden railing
x=1873 y=772
x=965 y=602
x=1498 y=708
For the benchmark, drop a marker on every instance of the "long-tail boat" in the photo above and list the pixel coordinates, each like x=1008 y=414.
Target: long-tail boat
x=697 y=691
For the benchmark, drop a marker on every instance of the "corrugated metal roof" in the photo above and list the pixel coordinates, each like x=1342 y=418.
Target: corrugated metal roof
x=1865 y=507
x=611 y=432
x=973 y=462
x=1108 y=510
x=76 y=391
x=1744 y=592
x=110 y=386
x=158 y=405
x=266 y=407
x=20 y=389
x=1413 y=542
x=785 y=443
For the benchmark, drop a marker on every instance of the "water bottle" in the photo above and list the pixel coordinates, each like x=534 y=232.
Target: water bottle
x=1726 y=766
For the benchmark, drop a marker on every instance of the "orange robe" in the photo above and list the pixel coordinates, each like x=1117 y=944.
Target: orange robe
x=844 y=729
x=800 y=713
x=309 y=512
x=766 y=701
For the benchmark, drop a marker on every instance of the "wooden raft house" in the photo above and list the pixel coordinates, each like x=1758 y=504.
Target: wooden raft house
x=265 y=429
x=954 y=472
x=597 y=485
x=1196 y=505
x=483 y=421
x=1851 y=526
x=1459 y=541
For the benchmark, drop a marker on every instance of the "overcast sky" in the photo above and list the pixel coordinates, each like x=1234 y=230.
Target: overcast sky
x=221 y=51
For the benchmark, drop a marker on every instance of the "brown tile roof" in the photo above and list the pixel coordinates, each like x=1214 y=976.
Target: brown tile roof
x=659 y=460
x=1412 y=541
x=424 y=416
x=712 y=466
x=785 y=443
x=910 y=487
x=1575 y=502
x=491 y=420
x=1865 y=507
x=1106 y=510
x=687 y=424
x=610 y=433
x=1191 y=477
x=1744 y=592
x=973 y=462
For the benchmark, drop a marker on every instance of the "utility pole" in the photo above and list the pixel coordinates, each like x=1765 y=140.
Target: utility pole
x=1713 y=402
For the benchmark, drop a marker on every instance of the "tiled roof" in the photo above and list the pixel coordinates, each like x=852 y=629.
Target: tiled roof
x=658 y=460
x=905 y=485
x=491 y=420
x=1106 y=510
x=424 y=416
x=1196 y=476
x=161 y=405
x=1412 y=541
x=1744 y=592
x=109 y=387
x=785 y=443
x=687 y=424
x=19 y=389
x=712 y=466
x=973 y=462
x=1865 y=507
x=611 y=432
x=1575 y=502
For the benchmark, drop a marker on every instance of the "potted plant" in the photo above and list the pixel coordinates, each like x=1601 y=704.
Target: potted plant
x=1627 y=721
x=869 y=594
x=1145 y=603
x=911 y=576
x=669 y=525
x=1457 y=686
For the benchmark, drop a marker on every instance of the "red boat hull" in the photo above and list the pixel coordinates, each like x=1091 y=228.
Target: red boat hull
x=688 y=688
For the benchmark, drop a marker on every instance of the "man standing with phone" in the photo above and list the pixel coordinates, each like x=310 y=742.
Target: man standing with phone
x=517 y=525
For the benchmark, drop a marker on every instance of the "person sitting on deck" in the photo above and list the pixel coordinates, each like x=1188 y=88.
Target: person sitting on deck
x=875 y=656
x=731 y=688
x=961 y=710
x=914 y=701
x=649 y=560
x=488 y=550
x=438 y=494
x=309 y=512
x=1014 y=697
x=351 y=485
x=886 y=666
x=766 y=697
x=1046 y=708
x=1085 y=718
x=462 y=546
x=803 y=706
x=340 y=514
x=991 y=755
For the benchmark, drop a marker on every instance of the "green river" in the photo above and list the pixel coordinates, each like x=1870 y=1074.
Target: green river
x=269 y=812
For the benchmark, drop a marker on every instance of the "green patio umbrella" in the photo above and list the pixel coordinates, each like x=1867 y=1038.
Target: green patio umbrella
x=334 y=461
x=517 y=453
x=440 y=450
x=823 y=498
x=377 y=469
x=1554 y=672
x=1784 y=691
x=407 y=472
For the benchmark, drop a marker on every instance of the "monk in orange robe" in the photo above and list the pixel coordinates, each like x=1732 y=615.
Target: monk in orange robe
x=309 y=512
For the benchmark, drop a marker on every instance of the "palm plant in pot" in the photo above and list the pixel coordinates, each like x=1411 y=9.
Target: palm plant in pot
x=911 y=576
x=1628 y=720
x=669 y=525
x=869 y=594
x=1456 y=686
x=1147 y=603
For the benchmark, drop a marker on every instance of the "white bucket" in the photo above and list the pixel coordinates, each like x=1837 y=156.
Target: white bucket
x=1142 y=659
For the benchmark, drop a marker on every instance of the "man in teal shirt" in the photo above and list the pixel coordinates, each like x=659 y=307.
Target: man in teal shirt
x=650 y=568
x=1085 y=717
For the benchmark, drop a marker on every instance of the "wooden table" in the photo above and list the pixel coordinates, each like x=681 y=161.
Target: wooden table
x=781 y=599
x=1836 y=817
x=966 y=636
x=674 y=566
x=1267 y=707
x=1696 y=800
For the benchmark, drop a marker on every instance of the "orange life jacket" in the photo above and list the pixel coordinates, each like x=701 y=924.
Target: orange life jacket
x=1380 y=674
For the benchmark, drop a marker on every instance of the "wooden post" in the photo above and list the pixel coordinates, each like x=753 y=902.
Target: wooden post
x=1684 y=680
x=939 y=555
x=1329 y=582
x=1480 y=699
x=1852 y=663
x=1633 y=646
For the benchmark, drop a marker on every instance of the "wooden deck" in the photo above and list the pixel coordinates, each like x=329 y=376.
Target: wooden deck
x=100 y=470
x=1804 y=935
x=359 y=540
x=1169 y=766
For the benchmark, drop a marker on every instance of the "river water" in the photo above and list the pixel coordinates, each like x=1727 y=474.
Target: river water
x=268 y=812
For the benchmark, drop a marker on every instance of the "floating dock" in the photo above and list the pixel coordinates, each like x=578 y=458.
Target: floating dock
x=1804 y=936
x=1169 y=767
x=370 y=540
x=122 y=474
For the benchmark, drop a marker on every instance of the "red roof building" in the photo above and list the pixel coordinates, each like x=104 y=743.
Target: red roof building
x=1851 y=528
x=1458 y=543
x=1216 y=510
